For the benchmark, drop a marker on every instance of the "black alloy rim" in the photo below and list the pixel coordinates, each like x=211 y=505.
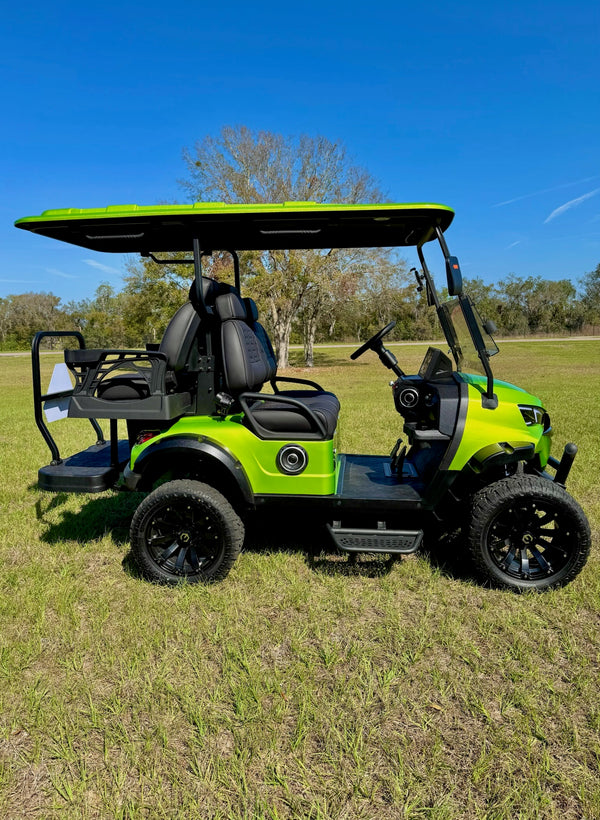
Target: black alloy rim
x=183 y=539
x=530 y=541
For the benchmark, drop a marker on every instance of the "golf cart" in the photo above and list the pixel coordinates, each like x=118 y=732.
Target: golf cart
x=208 y=447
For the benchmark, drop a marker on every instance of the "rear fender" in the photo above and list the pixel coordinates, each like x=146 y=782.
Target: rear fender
x=178 y=456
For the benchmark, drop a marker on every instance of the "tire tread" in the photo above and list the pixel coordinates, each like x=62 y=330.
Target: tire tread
x=196 y=491
x=489 y=499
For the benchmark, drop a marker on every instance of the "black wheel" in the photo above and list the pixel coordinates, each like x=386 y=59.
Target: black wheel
x=528 y=533
x=185 y=530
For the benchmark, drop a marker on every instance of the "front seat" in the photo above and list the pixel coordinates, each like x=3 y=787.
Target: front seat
x=305 y=415
x=261 y=333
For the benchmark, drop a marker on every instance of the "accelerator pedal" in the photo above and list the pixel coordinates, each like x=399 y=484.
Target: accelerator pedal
x=401 y=542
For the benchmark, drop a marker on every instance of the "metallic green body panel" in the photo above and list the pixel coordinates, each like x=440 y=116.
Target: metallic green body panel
x=484 y=428
x=258 y=457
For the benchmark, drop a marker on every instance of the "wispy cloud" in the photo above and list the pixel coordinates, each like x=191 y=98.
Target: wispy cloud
x=106 y=268
x=62 y=274
x=21 y=281
x=545 y=191
x=572 y=203
x=512 y=244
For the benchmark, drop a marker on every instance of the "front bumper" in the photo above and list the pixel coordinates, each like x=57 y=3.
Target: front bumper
x=563 y=467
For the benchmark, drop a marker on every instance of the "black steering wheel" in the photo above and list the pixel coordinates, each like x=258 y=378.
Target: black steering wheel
x=373 y=342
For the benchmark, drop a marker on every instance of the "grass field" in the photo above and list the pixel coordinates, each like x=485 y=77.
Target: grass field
x=302 y=686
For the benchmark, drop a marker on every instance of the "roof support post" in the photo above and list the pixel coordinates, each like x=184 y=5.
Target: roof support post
x=198 y=276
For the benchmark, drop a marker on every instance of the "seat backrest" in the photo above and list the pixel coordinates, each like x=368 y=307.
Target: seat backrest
x=245 y=365
x=179 y=342
x=261 y=334
x=181 y=337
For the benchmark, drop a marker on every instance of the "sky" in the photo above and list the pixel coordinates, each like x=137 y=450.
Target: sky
x=492 y=109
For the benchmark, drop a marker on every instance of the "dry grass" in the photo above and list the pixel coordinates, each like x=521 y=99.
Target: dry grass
x=302 y=687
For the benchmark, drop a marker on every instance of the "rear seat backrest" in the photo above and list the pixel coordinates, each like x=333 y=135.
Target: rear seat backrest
x=178 y=341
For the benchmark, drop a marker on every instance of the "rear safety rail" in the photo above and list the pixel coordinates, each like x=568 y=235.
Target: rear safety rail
x=39 y=398
x=381 y=540
x=92 y=470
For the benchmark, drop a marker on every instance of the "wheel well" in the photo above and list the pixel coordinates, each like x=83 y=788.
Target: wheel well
x=191 y=460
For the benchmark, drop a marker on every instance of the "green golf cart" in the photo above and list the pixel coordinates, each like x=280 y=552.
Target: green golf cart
x=208 y=445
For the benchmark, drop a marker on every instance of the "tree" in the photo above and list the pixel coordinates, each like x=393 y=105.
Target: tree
x=102 y=319
x=22 y=315
x=591 y=296
x=244 y=166
x=152 y=295
x=5 y=320
x=536 y=305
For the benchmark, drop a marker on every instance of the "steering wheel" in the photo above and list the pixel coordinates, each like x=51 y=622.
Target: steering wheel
x=373 y=342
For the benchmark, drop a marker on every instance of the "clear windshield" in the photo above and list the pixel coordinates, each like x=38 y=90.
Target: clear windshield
x=461 y=321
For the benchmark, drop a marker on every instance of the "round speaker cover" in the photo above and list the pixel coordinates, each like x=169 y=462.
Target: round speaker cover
x=292 y=459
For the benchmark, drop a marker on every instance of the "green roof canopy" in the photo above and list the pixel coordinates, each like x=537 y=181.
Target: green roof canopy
x=219 y=226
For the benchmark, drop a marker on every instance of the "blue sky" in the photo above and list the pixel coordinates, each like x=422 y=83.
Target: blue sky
x=494 y=111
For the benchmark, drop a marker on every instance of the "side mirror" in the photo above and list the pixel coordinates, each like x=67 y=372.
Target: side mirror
x=454 y=276
x=490 y=327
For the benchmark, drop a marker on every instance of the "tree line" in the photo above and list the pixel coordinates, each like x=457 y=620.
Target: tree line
x=303 y=296
x=372 y=293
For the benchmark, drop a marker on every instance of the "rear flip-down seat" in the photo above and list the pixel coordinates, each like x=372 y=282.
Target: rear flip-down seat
x=144 y=385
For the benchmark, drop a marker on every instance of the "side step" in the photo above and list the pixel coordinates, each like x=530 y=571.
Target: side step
x=89 y=471
x=401 y=542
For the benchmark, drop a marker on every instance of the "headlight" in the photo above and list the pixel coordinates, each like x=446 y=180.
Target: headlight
x=535 y=415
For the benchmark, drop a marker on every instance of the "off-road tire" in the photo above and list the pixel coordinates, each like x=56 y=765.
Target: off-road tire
x=185 y=531
x=527 y=533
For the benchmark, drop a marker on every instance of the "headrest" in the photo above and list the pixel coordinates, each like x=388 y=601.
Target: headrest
x=211 y=289
x=230 y=306
x=251 y=309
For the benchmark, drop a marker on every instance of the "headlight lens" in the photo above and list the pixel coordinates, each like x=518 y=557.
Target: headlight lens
x=535 y=415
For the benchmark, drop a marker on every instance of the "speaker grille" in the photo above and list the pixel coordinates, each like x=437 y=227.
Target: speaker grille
x=292 y=459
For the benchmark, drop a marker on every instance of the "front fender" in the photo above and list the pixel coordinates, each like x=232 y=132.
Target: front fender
x=501 y=454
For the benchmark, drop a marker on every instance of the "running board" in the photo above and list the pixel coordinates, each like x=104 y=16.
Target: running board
x=401 y=542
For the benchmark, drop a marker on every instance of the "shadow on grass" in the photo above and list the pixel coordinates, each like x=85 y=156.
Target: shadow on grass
x=272 y=532
x=265 y=532
x=96 y=518
x=322 y=358
x=448 y=554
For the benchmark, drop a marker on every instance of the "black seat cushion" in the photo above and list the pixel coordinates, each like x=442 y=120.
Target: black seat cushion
x=123 y=387
x=210 y=290
x=278 y=417
x=249 y=361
